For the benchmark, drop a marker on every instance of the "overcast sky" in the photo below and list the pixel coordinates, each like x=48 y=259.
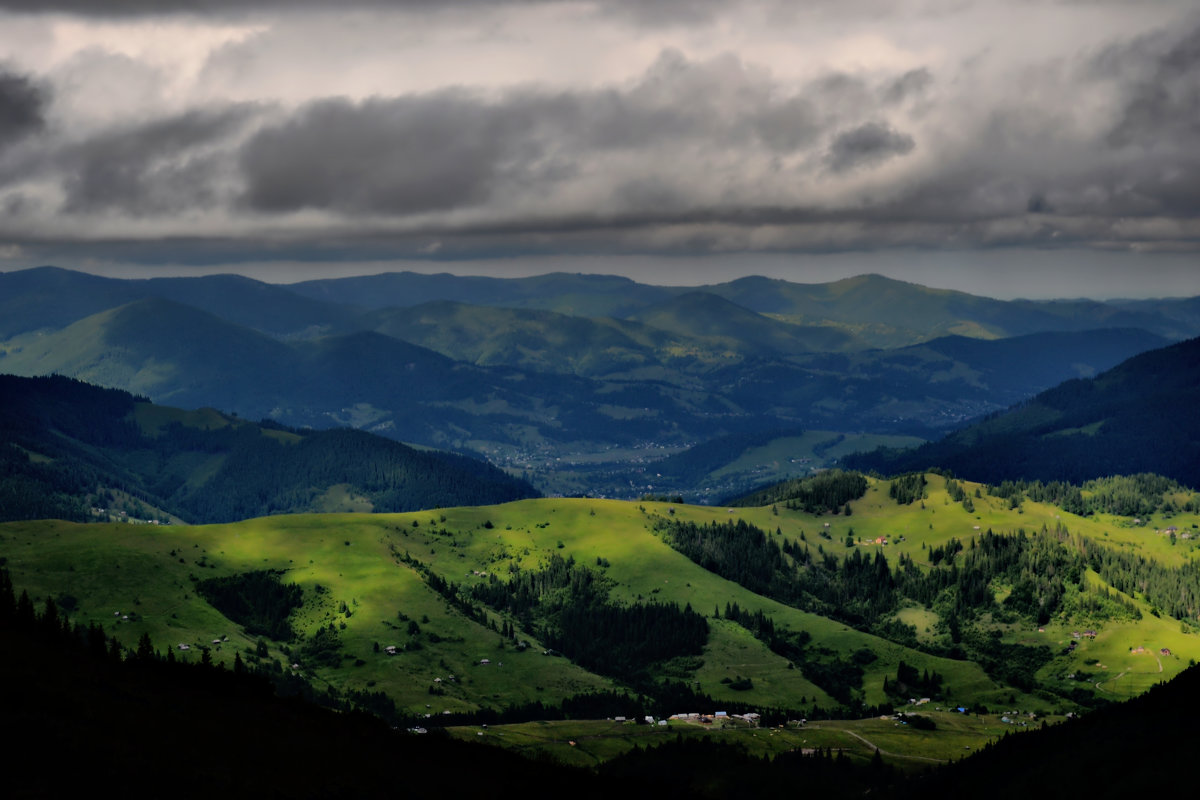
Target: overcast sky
x=1008 y=148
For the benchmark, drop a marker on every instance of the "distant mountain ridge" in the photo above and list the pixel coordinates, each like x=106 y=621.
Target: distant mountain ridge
x=910 y=311
x=533 y=373
x=52 y=298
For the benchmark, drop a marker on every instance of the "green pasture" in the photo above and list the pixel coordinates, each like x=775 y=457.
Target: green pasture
x=587 y=743
x=352 y=580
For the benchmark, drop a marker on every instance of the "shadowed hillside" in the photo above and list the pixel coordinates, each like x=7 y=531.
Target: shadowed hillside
x=68 y=447
x=1137 y=417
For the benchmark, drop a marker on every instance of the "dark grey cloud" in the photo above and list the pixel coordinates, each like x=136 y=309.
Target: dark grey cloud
x=1161 y=74
x=400 y=156
x=867 y=145
x=452 y=149
x=154 y=168
x=22 y=107
x=843 y=141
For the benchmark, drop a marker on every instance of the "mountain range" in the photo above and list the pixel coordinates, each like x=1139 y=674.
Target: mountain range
x=561 y=375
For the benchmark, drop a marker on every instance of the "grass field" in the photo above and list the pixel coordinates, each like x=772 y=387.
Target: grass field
x=586 y=743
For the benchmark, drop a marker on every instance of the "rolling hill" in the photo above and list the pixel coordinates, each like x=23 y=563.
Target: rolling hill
x=709 y=317
x=899 y=312
x=392 y=602
x=576 y=295
x=50 y=298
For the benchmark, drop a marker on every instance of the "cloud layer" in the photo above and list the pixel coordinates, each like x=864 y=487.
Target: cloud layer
x=543 y=127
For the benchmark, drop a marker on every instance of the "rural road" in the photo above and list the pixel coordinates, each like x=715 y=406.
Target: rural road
x=883 y=752
x=1121 y=674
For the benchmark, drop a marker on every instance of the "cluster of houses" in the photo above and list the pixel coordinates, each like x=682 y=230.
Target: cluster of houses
x=1137 y=651
x=123 y=516
x=749 y=718
x=216 y=643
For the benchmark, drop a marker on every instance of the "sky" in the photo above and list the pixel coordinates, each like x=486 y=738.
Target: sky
x=1014 y=149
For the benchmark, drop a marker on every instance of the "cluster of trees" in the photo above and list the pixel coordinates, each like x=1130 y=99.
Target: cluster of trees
x=1124 y=495
x=567 y=606
x=1044 y=573
x=959 y=495
x=909 y=682
x=827 y=491
x=1170 y=590
x=907 y=489
x=857 y=589
x=258 y=601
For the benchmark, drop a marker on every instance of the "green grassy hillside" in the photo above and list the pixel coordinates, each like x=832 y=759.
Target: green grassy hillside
x=371 y=580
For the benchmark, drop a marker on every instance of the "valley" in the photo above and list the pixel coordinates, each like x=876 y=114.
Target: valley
x=578 y=383
x=511 y=526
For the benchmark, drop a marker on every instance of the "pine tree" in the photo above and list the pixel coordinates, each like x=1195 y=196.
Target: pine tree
x=24 y=612
x=145 y=648
x=8 y=602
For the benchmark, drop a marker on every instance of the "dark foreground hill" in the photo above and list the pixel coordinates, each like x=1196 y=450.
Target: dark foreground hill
x=80 y=719
x=81 y=712
x=1142 y=747
x=67 y=446
x=1139 y=416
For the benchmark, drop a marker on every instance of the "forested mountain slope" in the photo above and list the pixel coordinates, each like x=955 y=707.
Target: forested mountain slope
x=67 y=447
x=1139 y=416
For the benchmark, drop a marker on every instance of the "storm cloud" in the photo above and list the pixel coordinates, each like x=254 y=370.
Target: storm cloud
x=870 y=143
x=22 y=107
x=160 y=167
x=538 y=128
